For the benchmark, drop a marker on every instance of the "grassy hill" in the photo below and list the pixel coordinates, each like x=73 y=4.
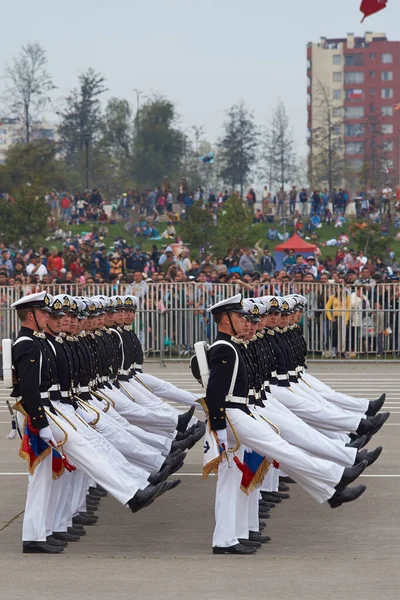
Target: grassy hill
x=323 y=234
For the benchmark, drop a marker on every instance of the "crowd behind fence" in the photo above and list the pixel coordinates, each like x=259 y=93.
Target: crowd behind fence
x=340 y=320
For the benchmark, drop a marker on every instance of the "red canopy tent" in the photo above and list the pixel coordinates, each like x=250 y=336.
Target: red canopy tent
x=297 y=244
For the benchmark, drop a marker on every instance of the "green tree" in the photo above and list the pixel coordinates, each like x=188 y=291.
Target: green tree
x=34 y=164
x=117 y=129
x=235 y=225
x=24 y=221
x=158 y=144
x=81 y=121
x=238 y=146
x=368 y=237
x=199 y=230
x=28 y=85
x=31 y=170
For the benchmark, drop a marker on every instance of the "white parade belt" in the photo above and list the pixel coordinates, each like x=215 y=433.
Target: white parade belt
x=237 y=399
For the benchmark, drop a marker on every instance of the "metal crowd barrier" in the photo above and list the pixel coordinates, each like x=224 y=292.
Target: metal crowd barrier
x=342 y=322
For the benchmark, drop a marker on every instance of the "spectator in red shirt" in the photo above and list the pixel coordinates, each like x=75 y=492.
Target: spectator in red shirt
x=76 y=267
x=65 y=208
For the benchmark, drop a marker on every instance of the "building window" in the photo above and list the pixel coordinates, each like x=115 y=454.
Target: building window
x=353 y=130
x=337 y=112
x=387 y=58
x=387 y=164
x=387 y=75
x=354 y=112
x=337 y=94
x=387 y=128
x=354 y=165
x=372 y=73
x=387 y=111
x=387 y=93
x=354 y=77
x=372 y=91
x=357 y=94
x=354 y=147
x=354 y=60
x=372 y=56
x=309 y=64
x=337 y=59
x=388 y=146
x=337 y=77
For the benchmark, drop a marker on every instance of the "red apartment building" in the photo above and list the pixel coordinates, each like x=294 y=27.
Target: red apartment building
x=362 y=76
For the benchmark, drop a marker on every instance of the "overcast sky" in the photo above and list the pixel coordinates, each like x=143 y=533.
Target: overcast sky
x=204 y=55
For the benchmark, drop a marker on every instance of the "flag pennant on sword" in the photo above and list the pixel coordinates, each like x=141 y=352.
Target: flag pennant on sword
x=254 y=469
x=214 y=453
x=34 y=450
x=370 y=7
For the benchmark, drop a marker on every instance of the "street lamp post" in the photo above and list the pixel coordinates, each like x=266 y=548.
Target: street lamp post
x=86 y=139
x=138 y=94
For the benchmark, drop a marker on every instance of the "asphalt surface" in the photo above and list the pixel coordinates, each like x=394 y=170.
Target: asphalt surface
x=164 y=551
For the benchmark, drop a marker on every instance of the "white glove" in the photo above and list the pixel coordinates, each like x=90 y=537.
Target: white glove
x=84 y=415
x=223 y=438
x=47 y=435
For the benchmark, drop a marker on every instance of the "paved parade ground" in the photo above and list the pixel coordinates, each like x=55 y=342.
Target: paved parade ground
x=316 y=553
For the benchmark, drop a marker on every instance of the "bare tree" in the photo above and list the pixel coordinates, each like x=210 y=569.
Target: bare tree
x=28 y=85
x=278 y=156
x=326 y=142
x=374 y=171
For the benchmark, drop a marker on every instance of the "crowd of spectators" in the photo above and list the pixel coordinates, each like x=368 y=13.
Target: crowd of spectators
x=350 y=295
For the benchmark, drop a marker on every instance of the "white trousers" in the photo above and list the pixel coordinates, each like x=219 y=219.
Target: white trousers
x=134 y=450
x=297 y=432
x=271 y=480
x=226 y=499
x=146 y=398
x=317 y=476
x=80 y=483
x=314 y=412
x=149 y=420
x=83 y=456
x=357 y=405
x=167 y=390
x=154 y=440
x=63 y=514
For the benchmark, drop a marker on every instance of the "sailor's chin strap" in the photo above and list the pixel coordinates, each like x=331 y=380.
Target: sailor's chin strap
x=231 y=324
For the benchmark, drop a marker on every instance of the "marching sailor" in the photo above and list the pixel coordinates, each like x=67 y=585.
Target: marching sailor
x=230 y=418
x=36 y=381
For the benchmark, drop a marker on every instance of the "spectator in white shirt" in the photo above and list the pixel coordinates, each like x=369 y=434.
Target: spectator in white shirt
x=35 y=267
x=362 y=259
x=138 y=287
x=312 y=267
x=184 y=262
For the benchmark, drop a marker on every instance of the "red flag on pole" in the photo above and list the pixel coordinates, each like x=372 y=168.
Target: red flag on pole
x=370 y=7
